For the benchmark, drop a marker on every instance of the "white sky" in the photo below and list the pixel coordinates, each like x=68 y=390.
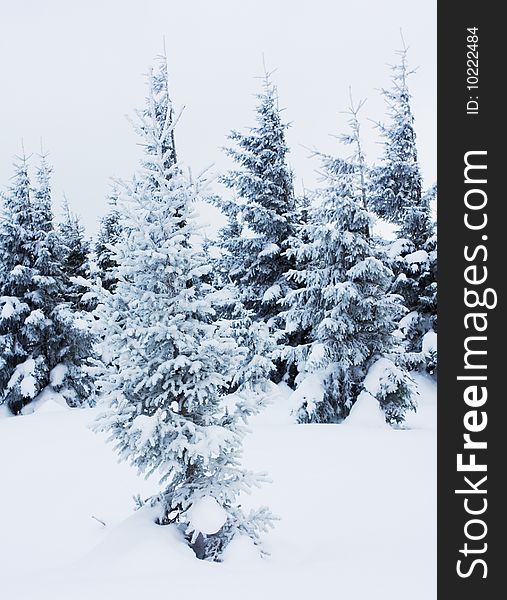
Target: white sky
x=71 y=70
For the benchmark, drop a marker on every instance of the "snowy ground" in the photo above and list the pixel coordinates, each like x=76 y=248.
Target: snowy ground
x=357 y=504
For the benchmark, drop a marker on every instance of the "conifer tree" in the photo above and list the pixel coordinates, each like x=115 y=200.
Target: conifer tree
x=261 y=214
x=108 y=236
x=397 y=196
x=297 y=333
x=16 y=273
x=173 y=359
x=396 y=184
x=256 y=366
x=341 y=293
x=416 y=269
x=44 y=346
x=75 y=258
x=41 y=196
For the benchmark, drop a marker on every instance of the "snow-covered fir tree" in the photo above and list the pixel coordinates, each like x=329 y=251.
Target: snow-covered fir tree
x=45 y=345
x=396 y=183
x=397 y=196
x=256 y=367
x=297 y=336
x=415 y=264
x=261 y=214
x=40 y=195
x=166 y=407
x=108 y=236
x=289 y=339
x=75 y=258
x=341 y=296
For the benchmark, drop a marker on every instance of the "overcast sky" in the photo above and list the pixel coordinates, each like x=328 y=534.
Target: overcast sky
x=71 y=70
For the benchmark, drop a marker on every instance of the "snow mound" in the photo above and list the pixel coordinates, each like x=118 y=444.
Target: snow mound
x=206 y=515
x=366 y=412
x=134 y=541
x=52 y=404
x=310 y=390
x=47 y=401
x=241 y=551
x=278 y=407
x=375 y=373
x=429 y=342
x=5 y=412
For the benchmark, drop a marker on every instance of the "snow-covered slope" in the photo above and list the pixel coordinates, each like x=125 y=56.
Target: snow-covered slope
x=357 y=506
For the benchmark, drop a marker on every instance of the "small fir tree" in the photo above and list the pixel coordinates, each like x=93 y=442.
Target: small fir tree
x=341 y=291
x=75 y=259
x=165 y=390
x=45 y=345
x=261 y=214
x=397 y=196
x=108 y=236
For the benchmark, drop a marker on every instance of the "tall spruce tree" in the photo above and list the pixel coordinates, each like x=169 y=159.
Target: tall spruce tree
x=396 y=184
x=298 y=332
x=262 y=212
x=42 y=212
x=341 y=296
x=75 y=258
x=173 y=359
x=256 y=366
x=108 y=236
x=44 y=347
x=416 y=269
x=397 y=196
